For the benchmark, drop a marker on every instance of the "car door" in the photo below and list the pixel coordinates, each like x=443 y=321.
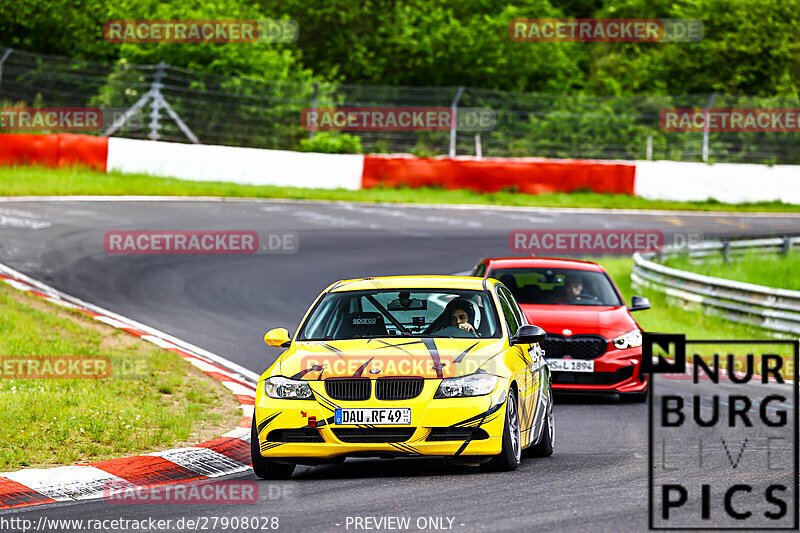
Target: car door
x=523 y=359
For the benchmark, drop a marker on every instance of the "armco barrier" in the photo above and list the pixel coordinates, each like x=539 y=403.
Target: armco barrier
x=57 y=150
x=529 y=176
x=767 y=307
x=661 y=180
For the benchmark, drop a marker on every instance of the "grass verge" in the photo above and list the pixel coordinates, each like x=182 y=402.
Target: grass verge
x=770 y=269
x=40 y=181
x=154 y=400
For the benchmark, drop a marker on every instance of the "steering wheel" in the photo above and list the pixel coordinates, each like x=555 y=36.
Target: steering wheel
x=585 y=296
x=455 y=331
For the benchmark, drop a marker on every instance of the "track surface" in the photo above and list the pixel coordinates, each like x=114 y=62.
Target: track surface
x=596 y=480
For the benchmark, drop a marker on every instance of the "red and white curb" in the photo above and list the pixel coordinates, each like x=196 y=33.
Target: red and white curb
x=224 y=455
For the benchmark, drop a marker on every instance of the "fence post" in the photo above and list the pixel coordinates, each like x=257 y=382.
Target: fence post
x=313 y=108
x=726 y=251
x=649 y=147
x=155 y=104
x=2 y=61
x=478 y=147
x=705 y=127
x=453 y=120
x=787 y=245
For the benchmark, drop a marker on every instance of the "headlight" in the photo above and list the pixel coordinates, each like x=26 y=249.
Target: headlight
x=287 y=389
x=472 y=385
x=632 y=339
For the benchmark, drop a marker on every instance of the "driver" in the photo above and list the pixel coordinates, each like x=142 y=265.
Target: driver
x=461 y=314
x=573 y=287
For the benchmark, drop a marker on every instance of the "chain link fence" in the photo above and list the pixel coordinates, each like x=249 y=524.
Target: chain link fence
x=175 y=104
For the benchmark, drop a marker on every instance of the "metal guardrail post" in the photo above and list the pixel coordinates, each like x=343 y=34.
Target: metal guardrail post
x=453 y=120
x=705 y=127
x=313 y=108
x=155 y=105
x=726 y=251
x=787 y=246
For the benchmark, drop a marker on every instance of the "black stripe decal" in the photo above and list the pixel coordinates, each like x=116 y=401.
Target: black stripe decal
x=430 y=344
x=264 y=423
x=363 y=367
x=465 y=352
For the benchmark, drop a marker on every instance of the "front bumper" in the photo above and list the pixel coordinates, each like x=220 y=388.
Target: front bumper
x=614 y=371
x=475 y=423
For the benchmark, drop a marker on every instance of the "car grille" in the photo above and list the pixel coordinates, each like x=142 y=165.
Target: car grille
x=373 y=434
x=593 y=378
x=577 y=347
x=398 y=388
x=348 y=389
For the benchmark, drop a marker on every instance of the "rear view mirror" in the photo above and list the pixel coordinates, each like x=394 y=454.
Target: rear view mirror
x=639 y=303
x=528 y=335
x=278 y=337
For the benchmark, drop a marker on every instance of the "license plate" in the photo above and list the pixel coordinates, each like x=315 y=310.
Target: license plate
x=571 y=365
x=398 y=416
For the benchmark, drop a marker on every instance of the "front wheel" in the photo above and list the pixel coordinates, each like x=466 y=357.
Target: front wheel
x=263 y=467
x=510 y=456
x=544 y=448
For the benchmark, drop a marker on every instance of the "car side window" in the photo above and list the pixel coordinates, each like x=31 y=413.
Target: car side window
x=515 y=306
x=480 y=270
x=508 y=313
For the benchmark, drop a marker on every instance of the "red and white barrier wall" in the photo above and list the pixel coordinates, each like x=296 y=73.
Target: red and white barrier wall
x=663 y=180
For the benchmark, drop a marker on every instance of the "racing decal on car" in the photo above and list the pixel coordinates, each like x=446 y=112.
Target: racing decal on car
x=430 y=344
x=363 y=367
x=398 y=346
x=264 y=423
x=477 y=420
x=405 y=448
x=333 y=349
x=465 y=352
x=315 y=368
x=270 y=445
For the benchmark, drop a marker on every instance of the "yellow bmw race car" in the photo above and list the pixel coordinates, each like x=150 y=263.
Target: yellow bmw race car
x=405 y=366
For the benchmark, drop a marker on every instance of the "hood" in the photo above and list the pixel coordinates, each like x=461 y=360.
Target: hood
x=388 y=357
x=610 y=322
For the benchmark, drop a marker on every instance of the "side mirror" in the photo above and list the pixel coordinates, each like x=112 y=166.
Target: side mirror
x=639 y=303
x=528 y=335
x=278 y=337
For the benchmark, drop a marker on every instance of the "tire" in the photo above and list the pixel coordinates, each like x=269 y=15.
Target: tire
x=263 y=467
x=510 y=456
x=544 y=448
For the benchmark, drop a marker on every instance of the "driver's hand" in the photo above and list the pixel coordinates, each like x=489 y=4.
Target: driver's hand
x=466 y=326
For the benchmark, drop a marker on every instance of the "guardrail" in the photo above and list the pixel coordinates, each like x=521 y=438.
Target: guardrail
x=770 y=308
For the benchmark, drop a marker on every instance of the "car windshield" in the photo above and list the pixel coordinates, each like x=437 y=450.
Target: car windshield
x=558 y=286
x=407 y=312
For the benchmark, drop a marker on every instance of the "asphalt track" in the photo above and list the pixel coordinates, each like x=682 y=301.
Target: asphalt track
x=595 y=481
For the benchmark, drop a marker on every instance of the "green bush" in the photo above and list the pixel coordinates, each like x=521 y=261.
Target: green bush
x=332 y=143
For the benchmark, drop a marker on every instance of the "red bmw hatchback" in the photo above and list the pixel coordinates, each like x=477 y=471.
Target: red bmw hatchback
x=593 y=343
